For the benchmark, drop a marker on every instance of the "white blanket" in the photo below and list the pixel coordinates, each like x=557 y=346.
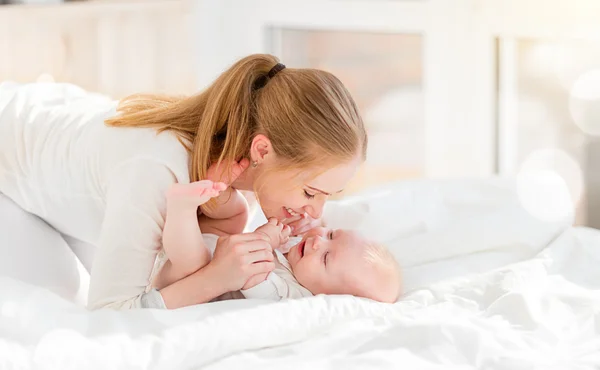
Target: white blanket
x=489 y=287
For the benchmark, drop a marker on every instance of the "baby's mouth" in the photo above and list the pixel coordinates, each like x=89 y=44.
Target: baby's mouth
x=301 y=248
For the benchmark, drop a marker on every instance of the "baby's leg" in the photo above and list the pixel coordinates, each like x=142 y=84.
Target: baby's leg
x=182 y=238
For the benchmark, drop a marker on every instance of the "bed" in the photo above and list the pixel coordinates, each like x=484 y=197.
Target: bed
x=488 y=286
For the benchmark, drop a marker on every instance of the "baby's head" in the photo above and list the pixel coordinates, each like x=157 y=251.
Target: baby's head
x=343 y=262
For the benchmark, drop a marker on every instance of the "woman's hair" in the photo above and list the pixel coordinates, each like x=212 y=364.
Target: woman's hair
x=307 y=114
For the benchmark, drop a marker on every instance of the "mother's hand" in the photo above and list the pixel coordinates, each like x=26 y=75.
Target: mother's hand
x=300 y=224
x=241 y=256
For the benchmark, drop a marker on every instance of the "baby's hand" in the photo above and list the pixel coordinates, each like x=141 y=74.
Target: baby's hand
x=227 y=171
x=277 y=232
x=300 y=224
x=193 y=194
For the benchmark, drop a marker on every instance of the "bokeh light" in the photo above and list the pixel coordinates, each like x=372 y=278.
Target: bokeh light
x=584 y=102
x=550 y=184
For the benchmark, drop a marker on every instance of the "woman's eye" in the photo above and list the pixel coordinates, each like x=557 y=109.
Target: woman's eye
x=308 y=195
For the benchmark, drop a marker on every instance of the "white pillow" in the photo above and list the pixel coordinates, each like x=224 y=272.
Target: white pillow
x=439 y=229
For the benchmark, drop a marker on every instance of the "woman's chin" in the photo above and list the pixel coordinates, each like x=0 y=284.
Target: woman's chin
x=279 y=215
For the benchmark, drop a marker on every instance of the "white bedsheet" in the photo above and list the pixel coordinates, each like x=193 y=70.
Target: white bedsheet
x=489 y=287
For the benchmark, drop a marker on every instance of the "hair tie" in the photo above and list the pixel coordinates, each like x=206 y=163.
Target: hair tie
x=276 y=69
x=262 y=80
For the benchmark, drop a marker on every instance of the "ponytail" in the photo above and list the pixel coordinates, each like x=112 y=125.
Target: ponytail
x=215 y=125
x=228 y=121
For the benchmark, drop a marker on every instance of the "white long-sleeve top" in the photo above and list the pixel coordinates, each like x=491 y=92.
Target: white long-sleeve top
x=102 y=185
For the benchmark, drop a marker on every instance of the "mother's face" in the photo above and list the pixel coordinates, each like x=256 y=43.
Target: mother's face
x=284 y=194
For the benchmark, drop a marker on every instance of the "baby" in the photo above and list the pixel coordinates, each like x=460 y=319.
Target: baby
x=324 y=261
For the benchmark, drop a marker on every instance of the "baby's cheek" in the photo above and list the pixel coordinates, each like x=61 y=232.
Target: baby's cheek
x=308 y=277
x=301 y=274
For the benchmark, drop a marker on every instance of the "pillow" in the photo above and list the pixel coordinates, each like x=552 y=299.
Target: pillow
x=438 y=229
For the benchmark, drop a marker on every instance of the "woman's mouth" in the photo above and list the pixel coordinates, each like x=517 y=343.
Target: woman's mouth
x=301 y=248
x=289 y=213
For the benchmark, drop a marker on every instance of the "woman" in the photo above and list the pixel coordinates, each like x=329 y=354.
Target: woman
x=100 y=176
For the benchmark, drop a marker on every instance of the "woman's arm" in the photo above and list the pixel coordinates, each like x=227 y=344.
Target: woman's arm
x=131 y=233
x=237 y=258
x=200 y=287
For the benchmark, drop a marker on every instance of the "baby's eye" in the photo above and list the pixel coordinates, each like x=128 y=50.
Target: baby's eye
x=325 y=258
x=308 y=195
x=330 y=235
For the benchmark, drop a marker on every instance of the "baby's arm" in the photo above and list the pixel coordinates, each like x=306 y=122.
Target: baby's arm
x=182 y=238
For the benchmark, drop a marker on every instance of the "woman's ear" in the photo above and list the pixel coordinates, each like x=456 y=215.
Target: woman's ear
x=260 y=148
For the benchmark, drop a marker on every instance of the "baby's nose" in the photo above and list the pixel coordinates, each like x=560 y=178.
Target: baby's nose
x=317 y=242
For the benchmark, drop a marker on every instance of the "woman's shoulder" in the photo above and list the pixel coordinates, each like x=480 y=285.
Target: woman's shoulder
x=164 y=146
x=142 y=154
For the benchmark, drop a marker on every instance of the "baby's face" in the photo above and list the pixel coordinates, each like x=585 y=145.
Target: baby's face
x=326 y=260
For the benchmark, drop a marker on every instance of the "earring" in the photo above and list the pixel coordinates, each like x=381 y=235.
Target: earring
x=255 y=164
